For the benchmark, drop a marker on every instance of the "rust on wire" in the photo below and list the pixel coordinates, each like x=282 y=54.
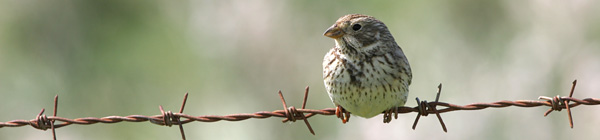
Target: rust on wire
x=41 y=121
x=54 y=115
x=292 y=113
x=558 y=103
x=423 y=108
x=179 y=118
x=169 y=118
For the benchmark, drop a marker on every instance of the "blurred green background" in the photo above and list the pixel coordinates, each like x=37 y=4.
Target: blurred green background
x=113 y=57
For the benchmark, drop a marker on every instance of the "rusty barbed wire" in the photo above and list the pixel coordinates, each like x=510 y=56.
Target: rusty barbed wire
x=423 y=108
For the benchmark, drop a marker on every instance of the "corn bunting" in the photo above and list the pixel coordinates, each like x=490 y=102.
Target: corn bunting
x=366 y=73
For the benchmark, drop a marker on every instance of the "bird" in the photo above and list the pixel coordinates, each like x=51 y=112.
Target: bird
x=366 y=73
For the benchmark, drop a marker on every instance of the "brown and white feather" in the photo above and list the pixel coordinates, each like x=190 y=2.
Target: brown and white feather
x=366 y=72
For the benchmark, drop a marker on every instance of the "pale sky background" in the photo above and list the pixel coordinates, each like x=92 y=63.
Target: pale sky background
x=113 y=57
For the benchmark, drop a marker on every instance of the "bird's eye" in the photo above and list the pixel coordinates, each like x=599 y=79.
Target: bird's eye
x=356 y=27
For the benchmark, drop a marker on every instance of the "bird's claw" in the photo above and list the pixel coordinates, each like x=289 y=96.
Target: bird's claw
x=387 y=115
x=341 y=113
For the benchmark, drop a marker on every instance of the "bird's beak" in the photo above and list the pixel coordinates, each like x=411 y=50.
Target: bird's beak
x=334 y=32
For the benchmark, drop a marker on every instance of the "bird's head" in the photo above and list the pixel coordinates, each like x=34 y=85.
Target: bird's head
x=359 y=32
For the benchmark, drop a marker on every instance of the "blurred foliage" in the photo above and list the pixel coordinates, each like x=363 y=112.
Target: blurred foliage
x=115 y=57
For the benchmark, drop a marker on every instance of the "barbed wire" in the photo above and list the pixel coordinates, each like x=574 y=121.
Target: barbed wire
x=423 y=108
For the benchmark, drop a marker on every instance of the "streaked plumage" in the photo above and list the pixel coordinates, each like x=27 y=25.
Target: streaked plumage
x=366 y=73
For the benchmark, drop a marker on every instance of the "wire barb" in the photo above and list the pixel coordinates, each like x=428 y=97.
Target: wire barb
x=291 y=113
x=424 y=108
x=169 y=118
x=558 y=103
x=437 y=98
x=42 y=121
x=54 y=115
x=166 y=116
x=178 y=118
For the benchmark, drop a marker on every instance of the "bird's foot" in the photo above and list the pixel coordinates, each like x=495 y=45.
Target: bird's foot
x=341 y=113
x=387 y=115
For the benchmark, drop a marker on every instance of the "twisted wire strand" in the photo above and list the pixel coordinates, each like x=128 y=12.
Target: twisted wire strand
x=158 y=119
